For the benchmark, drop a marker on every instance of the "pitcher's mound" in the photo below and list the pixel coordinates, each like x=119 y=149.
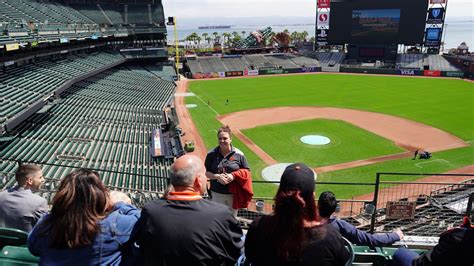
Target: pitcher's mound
x=273 y=172
x=315 y=140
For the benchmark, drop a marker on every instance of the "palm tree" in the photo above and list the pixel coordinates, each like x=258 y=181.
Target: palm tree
x=226 y=36
x=216 y=35
x=235 y=34
x=286 y=31
x=294 y=36
x=236 y=39
x=304 y=34
x=243 y=34
x=204 y=35
x=194 y=36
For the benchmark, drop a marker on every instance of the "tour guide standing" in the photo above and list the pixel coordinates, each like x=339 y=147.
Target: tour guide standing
x=229 y=172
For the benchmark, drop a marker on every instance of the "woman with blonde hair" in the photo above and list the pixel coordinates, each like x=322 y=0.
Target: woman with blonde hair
x=85 y=225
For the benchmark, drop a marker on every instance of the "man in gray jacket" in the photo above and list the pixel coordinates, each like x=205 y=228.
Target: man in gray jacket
x=19 y=207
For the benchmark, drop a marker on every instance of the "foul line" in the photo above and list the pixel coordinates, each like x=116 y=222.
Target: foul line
x=207 y=105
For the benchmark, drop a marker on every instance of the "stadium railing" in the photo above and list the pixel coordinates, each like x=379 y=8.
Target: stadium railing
x=437 y=205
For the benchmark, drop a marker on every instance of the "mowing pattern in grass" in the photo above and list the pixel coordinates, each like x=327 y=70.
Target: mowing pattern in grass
x=348 y=142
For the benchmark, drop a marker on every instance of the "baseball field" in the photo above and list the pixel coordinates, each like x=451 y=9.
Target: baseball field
x=374 y=124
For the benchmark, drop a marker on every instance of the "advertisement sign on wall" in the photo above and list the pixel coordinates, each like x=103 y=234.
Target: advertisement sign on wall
x=250 y=72
x=437 y=1
x=310 y=69
x=324 y=3
x=435 y=15
x=432 y=37
x=205 y=75
x=456 y=74
x=407 y=72
x=222 y=74
x=323 y=19
x=322 y=36
x=234 y=73
x=432 y=73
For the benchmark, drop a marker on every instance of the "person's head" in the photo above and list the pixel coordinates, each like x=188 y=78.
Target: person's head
x=294 y=205
x=224 y=137
x=81 y=202
x=188 y=173
x=327 y=204
x=296 y=192
x=29 y=176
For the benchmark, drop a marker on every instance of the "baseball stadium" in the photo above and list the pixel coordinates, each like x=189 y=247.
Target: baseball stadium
x=382 y=116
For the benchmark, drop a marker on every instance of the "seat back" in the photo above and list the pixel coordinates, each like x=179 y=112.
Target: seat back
x=366 y=256
x=12 y=237
x=14 y=255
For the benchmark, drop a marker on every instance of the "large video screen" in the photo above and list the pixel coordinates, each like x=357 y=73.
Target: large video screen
x=377 y=22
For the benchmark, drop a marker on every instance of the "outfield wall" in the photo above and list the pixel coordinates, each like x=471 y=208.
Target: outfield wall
x=404 y=72
x=283 y=71
x=255 y=72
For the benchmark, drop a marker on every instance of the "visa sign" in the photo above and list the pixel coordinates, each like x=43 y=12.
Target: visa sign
x=407 y=72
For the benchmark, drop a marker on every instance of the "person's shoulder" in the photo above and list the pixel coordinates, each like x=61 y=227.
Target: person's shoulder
x=262 y=221
x=212 y=151
x=212 y=205
x=38 y=199
x=239 y=152
x=154 y=204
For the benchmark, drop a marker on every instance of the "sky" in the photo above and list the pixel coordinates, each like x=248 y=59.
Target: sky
x=265 y=8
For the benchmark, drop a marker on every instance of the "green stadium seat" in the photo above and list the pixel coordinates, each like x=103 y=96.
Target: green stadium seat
x=12 y=237
x=15 y=256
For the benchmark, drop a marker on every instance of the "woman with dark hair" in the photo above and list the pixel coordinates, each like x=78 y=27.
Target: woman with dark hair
x=85 y=227
x=229 y=172
x=292 y=235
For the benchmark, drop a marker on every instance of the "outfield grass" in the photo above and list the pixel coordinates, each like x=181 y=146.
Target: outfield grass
x=443 y=103
x=348 y=142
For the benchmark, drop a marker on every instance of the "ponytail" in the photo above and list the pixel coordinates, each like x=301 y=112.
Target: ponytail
x=288 y=225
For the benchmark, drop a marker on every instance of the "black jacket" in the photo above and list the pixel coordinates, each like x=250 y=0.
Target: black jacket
x=455 y=247
x=177 y=232
x=325 y=246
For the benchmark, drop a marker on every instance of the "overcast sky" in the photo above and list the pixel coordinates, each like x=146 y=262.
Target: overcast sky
x=263 y=8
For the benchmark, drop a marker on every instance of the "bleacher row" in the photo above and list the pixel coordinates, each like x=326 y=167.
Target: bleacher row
x=327 y=60
x=103 y=122
x=23 y=86
x=31 y=20
x=418 y=61
x=256 y=61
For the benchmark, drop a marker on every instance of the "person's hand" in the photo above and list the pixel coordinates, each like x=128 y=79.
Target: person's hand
x=228 y=178
x=399 y=233
x=221 y=178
